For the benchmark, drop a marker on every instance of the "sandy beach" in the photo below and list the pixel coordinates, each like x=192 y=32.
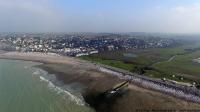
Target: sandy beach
x=70 y=70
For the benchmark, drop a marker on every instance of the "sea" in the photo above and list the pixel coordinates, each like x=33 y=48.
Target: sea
x=26 y=88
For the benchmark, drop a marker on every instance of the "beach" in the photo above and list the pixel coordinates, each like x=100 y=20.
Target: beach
x=25 y=88
x=71 y=70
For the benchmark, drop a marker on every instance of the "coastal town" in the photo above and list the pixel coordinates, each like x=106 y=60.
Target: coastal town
x=79 y=44
x=100 y=56
x=35 y=46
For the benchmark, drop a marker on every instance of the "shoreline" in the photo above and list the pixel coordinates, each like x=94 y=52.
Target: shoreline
x=56 y=64
x=190 y=94
x=56 y=85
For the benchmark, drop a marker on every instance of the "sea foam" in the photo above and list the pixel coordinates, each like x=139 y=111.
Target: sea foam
x=44 y=76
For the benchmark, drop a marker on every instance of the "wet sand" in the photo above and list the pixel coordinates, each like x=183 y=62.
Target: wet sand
x=70 y=70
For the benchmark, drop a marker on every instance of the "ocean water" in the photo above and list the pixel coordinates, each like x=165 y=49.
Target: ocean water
x=24 y=88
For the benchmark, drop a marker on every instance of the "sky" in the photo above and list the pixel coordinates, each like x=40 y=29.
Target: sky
x=157 y=16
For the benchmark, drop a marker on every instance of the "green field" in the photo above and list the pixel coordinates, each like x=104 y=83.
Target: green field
x=155 y=62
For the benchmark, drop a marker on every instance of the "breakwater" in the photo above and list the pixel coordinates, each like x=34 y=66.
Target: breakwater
x=191 y=94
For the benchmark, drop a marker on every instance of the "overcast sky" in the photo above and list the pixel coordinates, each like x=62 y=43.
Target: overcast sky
x=168 y=16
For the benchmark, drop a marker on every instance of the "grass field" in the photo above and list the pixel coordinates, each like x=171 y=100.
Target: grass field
x=182 y=64
x=114 y=63
x=156 y=62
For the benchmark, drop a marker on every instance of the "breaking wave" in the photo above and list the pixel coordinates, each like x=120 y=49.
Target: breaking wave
x=50 y=78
